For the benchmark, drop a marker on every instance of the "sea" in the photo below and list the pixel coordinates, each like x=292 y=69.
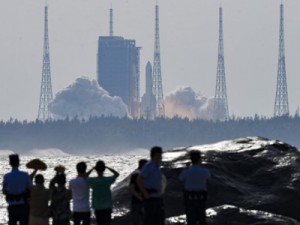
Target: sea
x=124 y=163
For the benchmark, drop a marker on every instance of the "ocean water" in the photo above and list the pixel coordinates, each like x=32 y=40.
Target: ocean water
x=123 y=163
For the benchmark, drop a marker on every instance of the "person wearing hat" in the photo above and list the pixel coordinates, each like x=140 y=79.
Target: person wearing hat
x=16 y=187
x=60 y=210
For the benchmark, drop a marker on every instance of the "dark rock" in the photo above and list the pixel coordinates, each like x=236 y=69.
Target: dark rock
x=249 y=173
x=231 y=215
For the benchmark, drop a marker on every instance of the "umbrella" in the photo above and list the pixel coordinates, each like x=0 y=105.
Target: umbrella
x=36 y=164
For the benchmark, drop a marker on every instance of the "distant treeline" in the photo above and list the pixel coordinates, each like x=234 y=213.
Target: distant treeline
x=119 y=134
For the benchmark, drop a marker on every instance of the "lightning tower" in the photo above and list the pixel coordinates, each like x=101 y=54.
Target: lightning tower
x=281 y=107
x=111 y=22
x=220 y=100
x=157 y=78
x=46 y=87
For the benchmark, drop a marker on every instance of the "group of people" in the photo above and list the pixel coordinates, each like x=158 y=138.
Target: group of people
x=29 y=204
x=148 y=184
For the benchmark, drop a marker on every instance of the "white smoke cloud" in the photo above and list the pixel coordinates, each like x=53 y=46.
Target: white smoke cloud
x=85 y=98
x=184 y=102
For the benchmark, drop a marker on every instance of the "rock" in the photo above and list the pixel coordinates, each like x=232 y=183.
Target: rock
x=231 y=215
x=249 y=174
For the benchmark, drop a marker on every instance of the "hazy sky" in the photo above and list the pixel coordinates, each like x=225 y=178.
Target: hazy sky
x=189 y=35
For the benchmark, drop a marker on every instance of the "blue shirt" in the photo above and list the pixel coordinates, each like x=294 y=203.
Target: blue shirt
x=152 y=176
x=195 y=178
x=16 y=182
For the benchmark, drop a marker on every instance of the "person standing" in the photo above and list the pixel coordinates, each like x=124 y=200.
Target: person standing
x=16 y=188
x=137 y=201
x=150 y=181
x=39 y=202
x=60 y=200
x=195 y=190
x=80 y=195
x=101 y=197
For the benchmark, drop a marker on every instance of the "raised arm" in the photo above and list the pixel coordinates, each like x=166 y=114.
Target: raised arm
x=116 y=174
x=53 y=181
x=89 y=172
x=32 y=175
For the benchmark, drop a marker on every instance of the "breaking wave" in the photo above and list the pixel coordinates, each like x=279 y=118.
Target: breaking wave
x=47 y=152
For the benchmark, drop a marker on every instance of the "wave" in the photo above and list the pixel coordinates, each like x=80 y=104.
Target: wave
x=6 y=152
x=47 y=152
x=138 y=151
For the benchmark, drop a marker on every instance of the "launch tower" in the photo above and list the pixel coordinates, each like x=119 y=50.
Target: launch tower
x=220 y=100
x=281 y=107
x=157 y=78
x=46 y=86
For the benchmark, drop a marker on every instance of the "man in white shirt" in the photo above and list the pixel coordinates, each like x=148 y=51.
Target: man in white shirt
x=81 y=196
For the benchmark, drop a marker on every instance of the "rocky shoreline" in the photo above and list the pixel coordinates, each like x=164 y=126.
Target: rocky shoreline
x=254 y=181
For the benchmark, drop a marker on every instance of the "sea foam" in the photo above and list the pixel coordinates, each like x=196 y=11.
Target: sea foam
x=47 y=152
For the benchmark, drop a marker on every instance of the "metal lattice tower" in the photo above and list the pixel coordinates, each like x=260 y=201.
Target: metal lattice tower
x=281 y=107
x=46 y=87
x=220 y=100
x=111 y=22
x=157 y=78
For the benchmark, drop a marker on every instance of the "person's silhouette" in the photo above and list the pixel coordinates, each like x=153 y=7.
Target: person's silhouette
x=102 y=198
x=195 y=190
x=150 y=181
x=39 y=202
x=16 y=187
x=137 y=200
x=60 y=200
x=81 y=195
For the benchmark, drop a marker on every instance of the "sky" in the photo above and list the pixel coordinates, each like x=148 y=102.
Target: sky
x=189 y=36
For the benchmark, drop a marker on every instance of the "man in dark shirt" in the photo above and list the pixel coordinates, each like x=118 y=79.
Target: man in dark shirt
x=39 y=202
x=60 y=200
x=137 y=207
